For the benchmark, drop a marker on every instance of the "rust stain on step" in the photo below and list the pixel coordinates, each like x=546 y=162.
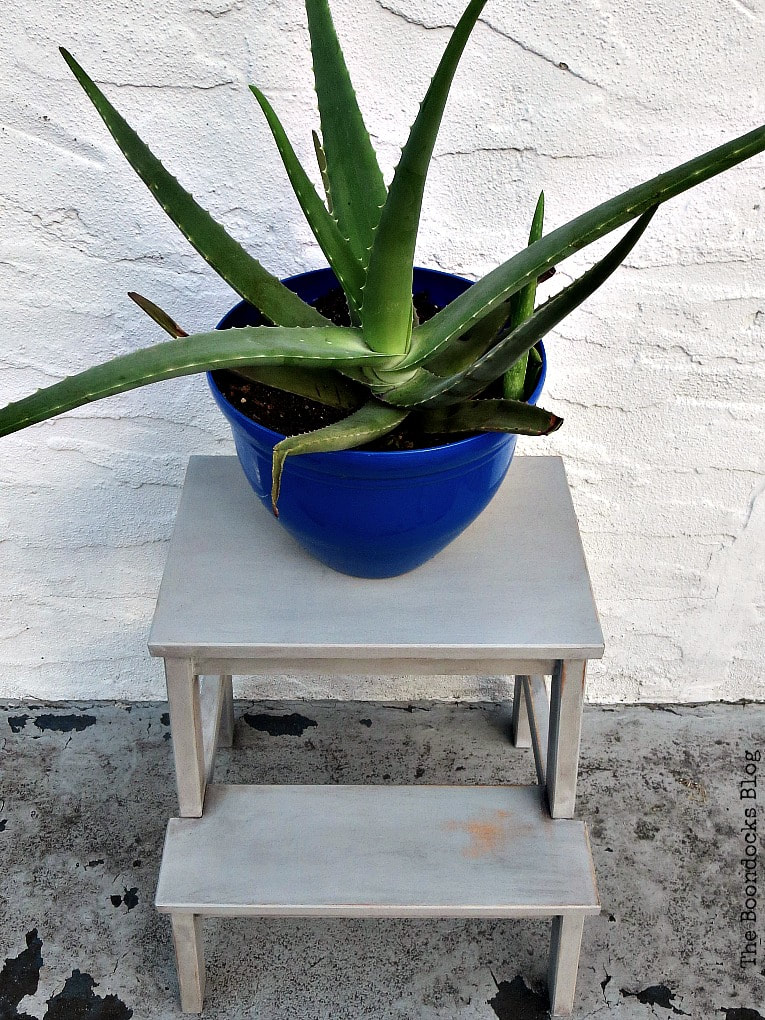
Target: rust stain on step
x=487 y=835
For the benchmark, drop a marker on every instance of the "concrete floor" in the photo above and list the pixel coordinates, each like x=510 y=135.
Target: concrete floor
x=86 y=789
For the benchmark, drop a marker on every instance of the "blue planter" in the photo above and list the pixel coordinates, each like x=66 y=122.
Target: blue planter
x=369 y=513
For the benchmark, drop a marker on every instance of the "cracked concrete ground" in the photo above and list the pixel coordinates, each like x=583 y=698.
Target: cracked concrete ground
x=86 y=791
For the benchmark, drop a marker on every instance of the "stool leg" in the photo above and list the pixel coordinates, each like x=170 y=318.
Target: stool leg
x=188 y=742
x=565 y=943
x=566 y=701
x=520 y=732
x=538 y=711
x=189 y=958
x=226 y=732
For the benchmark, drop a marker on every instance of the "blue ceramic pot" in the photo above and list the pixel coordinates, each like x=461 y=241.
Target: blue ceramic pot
x=370 y=513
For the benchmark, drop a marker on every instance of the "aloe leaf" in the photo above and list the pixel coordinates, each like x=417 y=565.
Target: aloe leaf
x=322 y=346
x=491 y=416
x=425 y=388
x=476 y=340
x=386 y=314
x=473 y=343
x=321 y=160
x=347 y=269
x=226 y=256
x=530 y=263
x=358 y=189
x=370 y=422
x=321 y=384
x=521 y=307
x=159 y=315
x=514 y=379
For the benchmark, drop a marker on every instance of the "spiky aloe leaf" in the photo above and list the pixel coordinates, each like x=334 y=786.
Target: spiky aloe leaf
x=323 y=385
x=347 y=269
x=321 y=161
x=386 y=315
x=358 y=189
x=491 y=416
x=226 y=256
x=475 y=341
x=521 y=307
x=426 y=388
x=370 y=422
x=201 y=352
x=472 y=345
x=530 y=263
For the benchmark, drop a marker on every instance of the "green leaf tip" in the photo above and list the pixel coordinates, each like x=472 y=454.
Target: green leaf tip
x=325 y=229
x=225 y=255
x=158 y=315
x=369 y=422
x=491 y=415
x=352 y=170
x=521 y=307
x=386 y=314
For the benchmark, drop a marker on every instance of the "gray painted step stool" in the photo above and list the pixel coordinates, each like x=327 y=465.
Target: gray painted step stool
x=511 y=596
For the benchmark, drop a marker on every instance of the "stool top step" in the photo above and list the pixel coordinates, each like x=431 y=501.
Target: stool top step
x=514 y=585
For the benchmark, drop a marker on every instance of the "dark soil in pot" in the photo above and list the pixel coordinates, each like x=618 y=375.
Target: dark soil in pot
x=290 y=414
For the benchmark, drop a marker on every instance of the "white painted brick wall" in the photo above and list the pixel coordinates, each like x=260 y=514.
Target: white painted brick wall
x=661 y=376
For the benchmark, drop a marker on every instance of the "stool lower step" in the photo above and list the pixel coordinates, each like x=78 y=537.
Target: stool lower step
x=374 y=851
x=377 y=851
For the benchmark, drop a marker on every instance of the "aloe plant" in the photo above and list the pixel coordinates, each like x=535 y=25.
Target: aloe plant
x=440 y=373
